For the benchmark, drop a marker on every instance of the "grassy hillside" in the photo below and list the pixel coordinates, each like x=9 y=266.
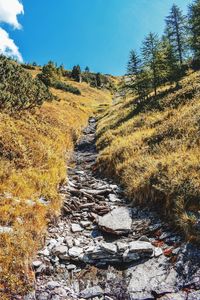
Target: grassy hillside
x=34 y=148
x=152 y=147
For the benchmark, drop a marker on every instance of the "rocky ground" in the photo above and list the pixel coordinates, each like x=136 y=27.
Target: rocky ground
x=102 y=248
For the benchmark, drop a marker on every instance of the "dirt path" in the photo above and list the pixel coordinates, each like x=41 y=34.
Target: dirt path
x=103 y=249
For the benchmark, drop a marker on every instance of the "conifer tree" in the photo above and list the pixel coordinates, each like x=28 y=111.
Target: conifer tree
x=87 y=70
x=134 y=68
x=154 y=61
x=98 y=80
x=194 y=22
x=176 y=31
x=172 y=66
x=76 y=73
x=134 y=64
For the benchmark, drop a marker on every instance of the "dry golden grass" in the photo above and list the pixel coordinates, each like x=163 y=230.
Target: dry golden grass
x=34 y=149
x=153 y=149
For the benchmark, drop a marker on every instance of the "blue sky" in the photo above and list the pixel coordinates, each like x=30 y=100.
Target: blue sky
x=97 y=33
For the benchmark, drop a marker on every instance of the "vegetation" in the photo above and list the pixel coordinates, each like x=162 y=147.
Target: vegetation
x=150 y=142
x=34 y=148
x=51 y=77
x=18 y=90
x=152 y=148
x=176 y=32
x=165 y=59
x=66 y=87
x=194 y=24
x=28 y=66
x=76 y=73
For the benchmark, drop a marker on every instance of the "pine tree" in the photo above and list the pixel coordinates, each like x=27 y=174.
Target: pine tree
x=143 y=84
x=194 y=22
x=154 y=61
x=176 y=31
x=98 y=80
x=172 y=66
x=76 y=73
x=134 y=68
x=134 y=64
x=87 y=70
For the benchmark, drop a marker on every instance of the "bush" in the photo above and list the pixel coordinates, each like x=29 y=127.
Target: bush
x=18 y=90
x=28 y=66
x=66 y=87
x=49 y=74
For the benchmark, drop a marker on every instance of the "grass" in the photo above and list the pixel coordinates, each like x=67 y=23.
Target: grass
x=152 y=148
x=34 y=149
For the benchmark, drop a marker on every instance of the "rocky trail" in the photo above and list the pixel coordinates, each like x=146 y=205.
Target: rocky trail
x=102 y=248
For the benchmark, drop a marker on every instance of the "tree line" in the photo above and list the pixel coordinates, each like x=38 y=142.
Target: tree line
x=167 y=59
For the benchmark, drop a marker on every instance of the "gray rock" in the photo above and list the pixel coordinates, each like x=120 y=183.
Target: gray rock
x=30 y=296
x=122 y=246
x=113 y=198
x=194 y=296
x=118 y=221
x=157 y=252
x=114 y=187
x=44 y=252
x=6 y=229
x=152 y=275
x=76 y=228
x=60 y=251
x=91 y=292
x=37 y=263
x=61 y=292
x=53 y=284
x=71 y=267
x=109 y=247
x=175 y=296
x=144 y=238
x=128 y=256
x=141 y=247
x=75 y=251
x=85 y=223
x=52 y=243
x=69 y=241
x=43 y=296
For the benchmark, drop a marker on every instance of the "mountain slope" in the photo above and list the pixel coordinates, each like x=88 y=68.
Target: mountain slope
x=34 y=148
x=152 y=147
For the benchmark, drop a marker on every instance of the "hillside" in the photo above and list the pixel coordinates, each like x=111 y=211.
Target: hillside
x=152 y=148
x=35 y=146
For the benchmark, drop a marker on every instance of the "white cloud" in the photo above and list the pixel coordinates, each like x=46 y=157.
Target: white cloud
x=9 y=10
x=8 y=47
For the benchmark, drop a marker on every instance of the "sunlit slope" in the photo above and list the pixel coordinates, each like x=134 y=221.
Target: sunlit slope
x=153 y=148
x=34 y=150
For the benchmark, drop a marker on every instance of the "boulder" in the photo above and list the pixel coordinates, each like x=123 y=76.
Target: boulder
x=154 y=275
x=118 y=221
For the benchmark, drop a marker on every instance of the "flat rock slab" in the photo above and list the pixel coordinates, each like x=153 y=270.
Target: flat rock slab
x=118 y=221
x=154 y=275
x=194 y=295
x=175 y=296
x=92 y=292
